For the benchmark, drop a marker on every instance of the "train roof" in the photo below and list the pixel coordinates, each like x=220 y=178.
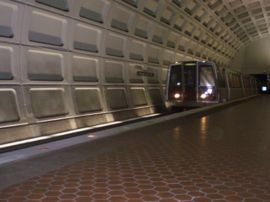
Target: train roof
x=194 y=61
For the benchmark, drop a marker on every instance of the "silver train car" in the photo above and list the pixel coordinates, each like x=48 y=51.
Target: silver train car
x=202 y=83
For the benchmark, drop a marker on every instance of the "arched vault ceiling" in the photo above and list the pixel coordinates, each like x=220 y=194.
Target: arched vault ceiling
x=248 y=19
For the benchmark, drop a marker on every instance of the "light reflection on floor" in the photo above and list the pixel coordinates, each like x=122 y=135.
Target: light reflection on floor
x=211 y=158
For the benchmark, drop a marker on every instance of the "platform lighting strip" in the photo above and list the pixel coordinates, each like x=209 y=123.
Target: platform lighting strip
x=3 y=146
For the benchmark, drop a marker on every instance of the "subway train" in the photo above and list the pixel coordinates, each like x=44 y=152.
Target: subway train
x=202 y=83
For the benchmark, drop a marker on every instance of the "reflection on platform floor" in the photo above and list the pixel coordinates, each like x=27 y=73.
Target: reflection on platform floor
x=224 y=156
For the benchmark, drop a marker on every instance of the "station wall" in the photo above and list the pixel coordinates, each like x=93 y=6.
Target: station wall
x=69 y=64
x=254 y=57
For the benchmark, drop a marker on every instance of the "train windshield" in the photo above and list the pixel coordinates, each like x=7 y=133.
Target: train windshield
x=207 y=77
x=176 y=76
x=190 y=74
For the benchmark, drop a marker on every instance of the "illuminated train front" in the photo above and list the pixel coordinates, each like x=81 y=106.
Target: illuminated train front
x=192 y=84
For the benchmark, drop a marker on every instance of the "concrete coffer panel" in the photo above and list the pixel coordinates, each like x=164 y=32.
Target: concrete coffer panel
x=113 y=72
x=7 y=64
x=59 y=4
x=10 y=21
x=9 y=111
x=138 y=96
x=94 y=11
x=84 y=68
x=48 y=102
x=86 y=38
x=87 y=100
x=117 y=98
x=44 y=65
x=45 y=28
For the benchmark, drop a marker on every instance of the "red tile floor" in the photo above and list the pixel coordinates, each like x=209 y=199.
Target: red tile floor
x=224 y=156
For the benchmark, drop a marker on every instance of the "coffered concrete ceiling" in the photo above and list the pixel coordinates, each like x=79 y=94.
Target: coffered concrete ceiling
x=245 y=24
x=248 y=19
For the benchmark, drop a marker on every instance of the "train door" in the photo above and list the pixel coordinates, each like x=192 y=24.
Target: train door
x=190 y=81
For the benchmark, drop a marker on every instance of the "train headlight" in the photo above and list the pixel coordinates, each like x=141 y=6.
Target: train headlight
x=207 y=94
x=203 y=96
x=209 y=91
x=264 y=88
x=177 y=95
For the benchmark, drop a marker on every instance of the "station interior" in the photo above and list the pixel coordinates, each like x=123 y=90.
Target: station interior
x=83 y=114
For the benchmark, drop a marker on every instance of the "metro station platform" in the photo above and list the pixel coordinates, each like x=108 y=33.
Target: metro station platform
x=221 y=156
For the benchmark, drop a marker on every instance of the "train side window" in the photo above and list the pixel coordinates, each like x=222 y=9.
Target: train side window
x=207 y=76
x=239 y=85
x=230 y=77
x=247 y=82
x=250 y=83
x=221 y=79
x=233 y=81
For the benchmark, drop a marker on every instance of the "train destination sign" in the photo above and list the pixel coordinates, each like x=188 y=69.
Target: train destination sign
x=145 y=73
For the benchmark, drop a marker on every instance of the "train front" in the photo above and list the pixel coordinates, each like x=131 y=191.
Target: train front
x=192 y=84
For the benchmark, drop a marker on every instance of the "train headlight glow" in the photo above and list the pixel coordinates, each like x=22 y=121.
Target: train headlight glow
x=177 y=95
x=209 y=91
x=264 y=88
x=203 y=96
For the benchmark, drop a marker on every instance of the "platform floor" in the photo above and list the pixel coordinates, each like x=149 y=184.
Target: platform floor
x=224 y=156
